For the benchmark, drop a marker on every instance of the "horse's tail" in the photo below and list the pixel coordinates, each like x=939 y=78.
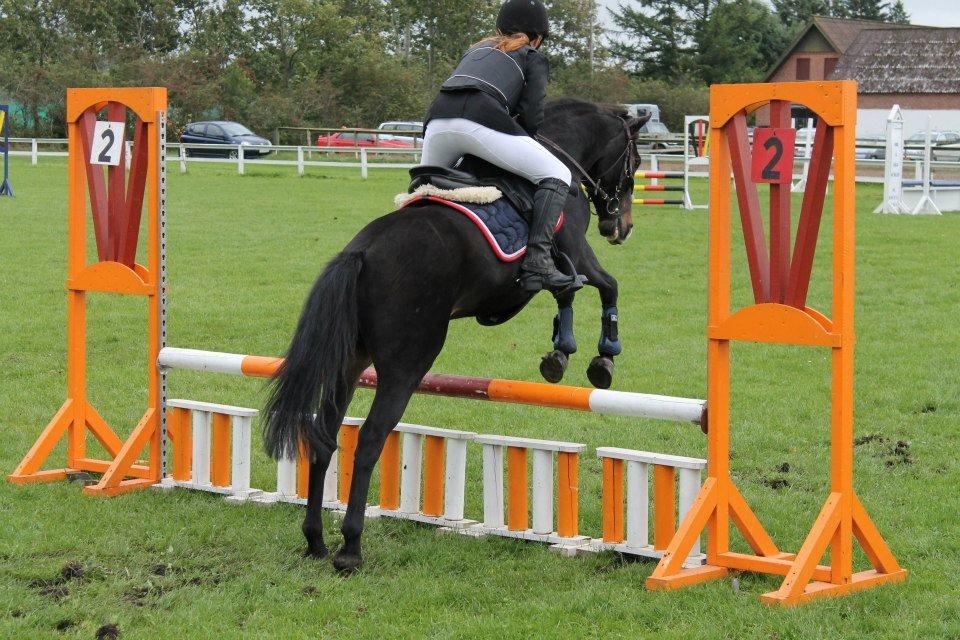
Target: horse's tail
x=317 y=363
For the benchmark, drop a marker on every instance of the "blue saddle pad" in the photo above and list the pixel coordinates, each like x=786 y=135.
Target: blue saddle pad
x=500 y=223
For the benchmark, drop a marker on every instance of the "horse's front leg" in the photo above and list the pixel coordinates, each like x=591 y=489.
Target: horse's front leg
x=554 y=364
x=600 y=370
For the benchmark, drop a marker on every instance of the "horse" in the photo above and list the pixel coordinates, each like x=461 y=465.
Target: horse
x=388 y=297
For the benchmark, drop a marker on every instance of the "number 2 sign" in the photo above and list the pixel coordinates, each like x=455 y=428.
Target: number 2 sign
x=772 y=157
x=107 y=143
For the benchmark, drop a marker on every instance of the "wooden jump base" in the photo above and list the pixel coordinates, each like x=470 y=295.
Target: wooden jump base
x=778 y=314
x=211 y=452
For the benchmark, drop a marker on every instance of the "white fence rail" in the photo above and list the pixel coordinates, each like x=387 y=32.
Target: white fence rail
x=362 y=158
x=241 y=156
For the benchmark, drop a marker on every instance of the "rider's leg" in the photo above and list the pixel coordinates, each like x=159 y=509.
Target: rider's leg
x=441 y=146
x=527 y=158
x=538 y=270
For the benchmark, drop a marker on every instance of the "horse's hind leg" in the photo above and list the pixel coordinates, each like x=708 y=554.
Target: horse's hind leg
x=329 y=418
x=400 y=367
x=391 y=400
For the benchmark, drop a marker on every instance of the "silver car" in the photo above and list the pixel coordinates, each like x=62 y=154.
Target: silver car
x=944 y=145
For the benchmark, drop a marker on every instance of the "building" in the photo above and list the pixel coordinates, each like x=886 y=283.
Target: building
x=915 y=67
x=816 y=51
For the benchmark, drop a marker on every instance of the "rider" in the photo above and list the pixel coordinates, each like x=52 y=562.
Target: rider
x=491 y=107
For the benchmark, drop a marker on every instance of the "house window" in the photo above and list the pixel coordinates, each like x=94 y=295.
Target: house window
x=803 y=68
x=829 y=64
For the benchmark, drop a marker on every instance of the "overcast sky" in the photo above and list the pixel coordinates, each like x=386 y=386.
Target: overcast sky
x=936 y=13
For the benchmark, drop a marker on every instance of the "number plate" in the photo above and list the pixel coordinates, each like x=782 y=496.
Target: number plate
x=107 y=143
x=772 y=157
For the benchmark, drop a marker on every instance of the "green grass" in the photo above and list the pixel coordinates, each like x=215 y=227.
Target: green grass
x=243 y=252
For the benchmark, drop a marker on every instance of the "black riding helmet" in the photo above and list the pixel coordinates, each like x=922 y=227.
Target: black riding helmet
x=523 y=16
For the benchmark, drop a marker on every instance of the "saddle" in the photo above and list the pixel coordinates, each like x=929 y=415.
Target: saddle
x=474 y=172
x=498 y=202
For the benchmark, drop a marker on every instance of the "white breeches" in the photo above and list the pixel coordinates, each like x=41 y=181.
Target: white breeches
x=447 y=139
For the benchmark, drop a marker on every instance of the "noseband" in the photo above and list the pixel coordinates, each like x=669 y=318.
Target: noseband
x=611 y=203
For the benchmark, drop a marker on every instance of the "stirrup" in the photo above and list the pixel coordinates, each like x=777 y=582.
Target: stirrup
x=532 y=282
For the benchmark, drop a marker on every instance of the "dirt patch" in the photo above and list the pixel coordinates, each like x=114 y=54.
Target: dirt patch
x=64 y=625
x=894 y=454
x=72 y=571
x=108 y=632
x=775 y=483
x=899 y=454
x=57 y=588
x=783 y=467
x=138 y=596
x=614 y=562
x=81 y=477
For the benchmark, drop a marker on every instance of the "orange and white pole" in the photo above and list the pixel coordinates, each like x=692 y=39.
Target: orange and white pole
x=619 y=403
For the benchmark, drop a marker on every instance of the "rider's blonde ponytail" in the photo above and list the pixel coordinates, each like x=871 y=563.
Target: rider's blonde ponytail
x=506 y=43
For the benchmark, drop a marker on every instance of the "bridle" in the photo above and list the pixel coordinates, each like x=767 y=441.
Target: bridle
x=611 y=203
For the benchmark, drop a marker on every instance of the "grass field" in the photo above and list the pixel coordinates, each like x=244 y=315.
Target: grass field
x=243 y=252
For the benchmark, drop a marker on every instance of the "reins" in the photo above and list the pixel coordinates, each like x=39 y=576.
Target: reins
x=595 y=184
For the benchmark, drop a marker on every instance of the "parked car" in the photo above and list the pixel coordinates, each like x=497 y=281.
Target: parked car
x=398 y=128
x=947 y=147
x=356 y=139
x=871 y=147
x=913 y=146
x=222 y=132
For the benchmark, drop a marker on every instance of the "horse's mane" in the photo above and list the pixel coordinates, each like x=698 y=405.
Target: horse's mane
x=578 y=107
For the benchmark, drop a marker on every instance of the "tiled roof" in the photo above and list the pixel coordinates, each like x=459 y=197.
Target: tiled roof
x=914 y=60
x=839 y=32
x=842 y=32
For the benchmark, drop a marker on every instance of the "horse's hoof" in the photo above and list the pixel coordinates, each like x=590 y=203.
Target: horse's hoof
x=346 y=563
x=600 y=372
x=554 y=365
x=316 y=554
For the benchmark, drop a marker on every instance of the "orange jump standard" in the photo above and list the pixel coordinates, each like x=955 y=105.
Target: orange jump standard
x=780 y=316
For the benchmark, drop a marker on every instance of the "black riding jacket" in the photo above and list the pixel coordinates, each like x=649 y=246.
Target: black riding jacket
x=502 y=91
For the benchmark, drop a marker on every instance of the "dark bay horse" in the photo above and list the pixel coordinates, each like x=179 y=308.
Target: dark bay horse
x=389 y=296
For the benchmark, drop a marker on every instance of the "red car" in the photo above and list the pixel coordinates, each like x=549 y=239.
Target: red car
x=353 y=139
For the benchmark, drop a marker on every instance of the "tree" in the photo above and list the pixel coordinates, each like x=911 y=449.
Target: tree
x=741 y=40
x=576 y=33
x=797 y=13
x=898 y=13
x=659 y=38
x=866 y=9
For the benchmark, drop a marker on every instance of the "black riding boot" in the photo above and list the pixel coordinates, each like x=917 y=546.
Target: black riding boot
x=538 y=270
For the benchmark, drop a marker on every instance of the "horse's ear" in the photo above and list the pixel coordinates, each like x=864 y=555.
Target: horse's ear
x=634 y=124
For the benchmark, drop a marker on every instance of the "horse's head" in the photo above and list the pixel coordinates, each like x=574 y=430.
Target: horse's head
x=613 y=174
x=602 y=144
